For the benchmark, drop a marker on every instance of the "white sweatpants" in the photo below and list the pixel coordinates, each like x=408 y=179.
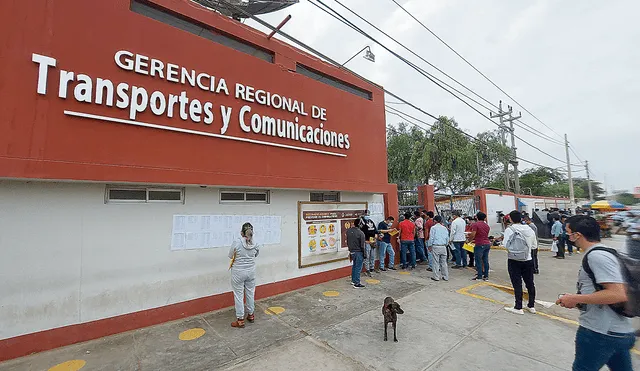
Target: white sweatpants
x=243 y=283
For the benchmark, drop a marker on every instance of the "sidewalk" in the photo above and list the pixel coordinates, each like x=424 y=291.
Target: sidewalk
x=455 y=325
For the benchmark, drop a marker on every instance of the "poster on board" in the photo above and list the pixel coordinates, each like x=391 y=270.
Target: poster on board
x=322 y=231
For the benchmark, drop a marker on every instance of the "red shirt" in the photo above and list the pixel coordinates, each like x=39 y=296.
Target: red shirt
x=427 y=227
x=407 y=230
x=482 y=233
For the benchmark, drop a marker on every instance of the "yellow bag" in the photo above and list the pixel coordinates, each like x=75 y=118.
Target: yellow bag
x=232 y=260
x=469 y=246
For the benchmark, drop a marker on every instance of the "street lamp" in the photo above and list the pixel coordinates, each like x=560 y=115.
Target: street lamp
x=368 y=55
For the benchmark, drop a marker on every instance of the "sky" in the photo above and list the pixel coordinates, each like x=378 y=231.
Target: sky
x=573 y=64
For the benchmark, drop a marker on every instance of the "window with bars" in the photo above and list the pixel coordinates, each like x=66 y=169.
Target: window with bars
x=133 y=194
x=324 y=196
x=252 y=196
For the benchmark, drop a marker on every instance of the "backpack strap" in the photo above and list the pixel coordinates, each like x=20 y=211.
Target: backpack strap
x=587 y=269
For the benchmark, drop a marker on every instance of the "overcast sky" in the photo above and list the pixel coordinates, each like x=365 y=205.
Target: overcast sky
x=573 y=64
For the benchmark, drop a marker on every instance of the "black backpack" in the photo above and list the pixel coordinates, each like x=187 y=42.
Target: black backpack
x=631 y=273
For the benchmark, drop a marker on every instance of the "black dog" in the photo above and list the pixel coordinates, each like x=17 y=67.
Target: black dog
x=390 y=311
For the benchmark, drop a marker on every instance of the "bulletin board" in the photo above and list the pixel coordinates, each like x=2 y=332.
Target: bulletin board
x=322 y=228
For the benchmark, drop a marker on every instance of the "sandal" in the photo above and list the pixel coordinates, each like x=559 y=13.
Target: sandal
x=239 y=323
x=251 y=318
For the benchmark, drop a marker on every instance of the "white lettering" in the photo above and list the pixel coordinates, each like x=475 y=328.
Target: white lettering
x=125 y=63
x=142 y=64
x=102 y=85
x=157 y=103
x=84 y=90
x=256 y=125
x=346 y=141
x=44 y=63
x=183 y=105
x=172 y=72
x=195 y=110
x=188 y=76
x=239 y=91
x=208 y=113
x=123 y=98
x=65 y=78
x=226 y=118
x=244 y=110
x=249 y=96
x=157 y=67
x=173 y=99
x=200 y=84
x=222 y=86
x=139 y=101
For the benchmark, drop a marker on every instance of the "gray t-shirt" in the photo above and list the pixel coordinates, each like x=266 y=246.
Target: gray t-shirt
x=601 y=318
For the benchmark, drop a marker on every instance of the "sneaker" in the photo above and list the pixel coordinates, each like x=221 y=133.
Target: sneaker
x=393 y=268
x=476 y=279
x=435 y=279
x=353 y=283
x=485 y=279
x=531 y=310
x=570 y=254
x=514 y=310
x=429 y=270
x=383 y=270
x=358 y=286
x=367 y=273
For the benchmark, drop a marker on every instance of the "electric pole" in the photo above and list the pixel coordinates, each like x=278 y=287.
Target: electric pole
x=586 y=165
x=500 y=115
x=566 y=149
x=514 y=157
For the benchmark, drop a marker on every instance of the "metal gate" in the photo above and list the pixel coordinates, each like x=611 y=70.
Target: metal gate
x=408 y=201
x=465 y=204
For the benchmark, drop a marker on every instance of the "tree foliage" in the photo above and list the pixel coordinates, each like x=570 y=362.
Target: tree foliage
x=443 y=156
x=626 y=198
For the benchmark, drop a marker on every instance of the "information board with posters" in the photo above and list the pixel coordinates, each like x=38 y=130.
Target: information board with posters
x=322 y=231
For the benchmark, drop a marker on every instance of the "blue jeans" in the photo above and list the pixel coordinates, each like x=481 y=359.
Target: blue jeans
x=356 y=268
x=594 y=350
x=385 y=247
x=457 y=253
x=404 y=246
x=420 y=254
x=481 y=253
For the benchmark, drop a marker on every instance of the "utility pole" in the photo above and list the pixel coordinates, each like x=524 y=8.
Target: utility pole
x=500 y=115
x=514 y=158
x=566 y=149
x=586 y=165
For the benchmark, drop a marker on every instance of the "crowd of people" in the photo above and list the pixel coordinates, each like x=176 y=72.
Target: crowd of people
x=424 y=239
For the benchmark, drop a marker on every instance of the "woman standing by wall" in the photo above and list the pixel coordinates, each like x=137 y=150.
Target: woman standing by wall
x=243 y=255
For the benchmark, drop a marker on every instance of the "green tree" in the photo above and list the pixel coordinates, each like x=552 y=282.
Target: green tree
x=626 y=198
x=596 y=188
x=401 y=146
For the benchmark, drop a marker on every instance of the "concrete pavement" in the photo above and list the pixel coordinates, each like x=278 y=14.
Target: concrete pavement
x=455 y=325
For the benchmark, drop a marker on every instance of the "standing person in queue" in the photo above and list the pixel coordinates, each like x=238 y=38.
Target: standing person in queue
x=467 y=231
x=480 y=236
x=604 y=336
x=243 y=255
x=407 y=234
x=519 y=241
x=457 y=240
x=384 y=244
x=556 y=233
x=534 y=251
x=438 y=241
x=421 y=255
x=427 y=227
x=356 y=244
x=368 y=227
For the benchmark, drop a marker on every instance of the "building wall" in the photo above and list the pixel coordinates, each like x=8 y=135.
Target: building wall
x=68 y=258
x=47 y=136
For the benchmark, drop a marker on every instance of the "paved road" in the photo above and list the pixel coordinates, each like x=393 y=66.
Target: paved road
x=455 y=325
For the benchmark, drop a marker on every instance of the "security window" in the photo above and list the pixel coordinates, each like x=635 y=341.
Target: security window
x=324 y=196
x=115 y=194
x=244 y=196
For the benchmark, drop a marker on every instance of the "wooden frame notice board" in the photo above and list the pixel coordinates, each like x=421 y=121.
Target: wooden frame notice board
x=322 y=228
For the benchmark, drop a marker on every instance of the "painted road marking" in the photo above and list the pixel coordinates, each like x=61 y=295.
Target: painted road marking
x=331 y=293
x=191 y=334
x=274 y=310
x=467 y=291
x=372 y=281
x=405 y=273
x=73 y=365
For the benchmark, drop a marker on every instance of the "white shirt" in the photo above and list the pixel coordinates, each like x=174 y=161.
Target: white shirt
x=527 y=232
x=458 y=226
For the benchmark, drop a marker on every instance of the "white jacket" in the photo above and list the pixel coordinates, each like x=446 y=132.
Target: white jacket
x=527 y=232
x=458 y=225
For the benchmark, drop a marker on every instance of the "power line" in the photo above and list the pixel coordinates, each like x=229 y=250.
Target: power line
x=332 y=61
x=415 y=67
x=472 y=66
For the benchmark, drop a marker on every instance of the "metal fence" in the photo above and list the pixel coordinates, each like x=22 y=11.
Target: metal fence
x=465 y=204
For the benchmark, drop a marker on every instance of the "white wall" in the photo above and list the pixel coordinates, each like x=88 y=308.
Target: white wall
x=66 y=257
x=495 y=203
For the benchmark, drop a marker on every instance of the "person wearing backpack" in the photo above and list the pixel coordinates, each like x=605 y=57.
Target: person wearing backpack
x=519 y=239
x=607 y=297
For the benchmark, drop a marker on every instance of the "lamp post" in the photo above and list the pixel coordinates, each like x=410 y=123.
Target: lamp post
x=368 y=55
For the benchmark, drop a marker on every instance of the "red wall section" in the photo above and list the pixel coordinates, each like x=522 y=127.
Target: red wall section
x=39 y=141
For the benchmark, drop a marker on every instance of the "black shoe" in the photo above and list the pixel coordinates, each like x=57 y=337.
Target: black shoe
x=393 y=268
x=559 y=257
x=429 y=270
x=382 y=270
x=486 y=279
x=358 y=286
x=434 y=279
x=476 y=279
x=536 y=272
